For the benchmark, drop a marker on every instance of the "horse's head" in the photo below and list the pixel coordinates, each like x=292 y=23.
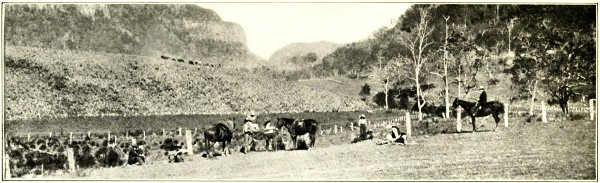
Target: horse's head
x=280 y=123
x=455 y=103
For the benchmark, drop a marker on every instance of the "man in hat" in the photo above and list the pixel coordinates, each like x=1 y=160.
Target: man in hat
x=362 y=123
x=482 y=101
x=249 y=128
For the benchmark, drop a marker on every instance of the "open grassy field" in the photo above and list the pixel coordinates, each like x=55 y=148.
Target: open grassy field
x=562 y=150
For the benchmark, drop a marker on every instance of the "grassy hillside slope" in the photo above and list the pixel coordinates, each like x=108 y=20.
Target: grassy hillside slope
x=296 y=55
x=47 y=82
x=181 y=31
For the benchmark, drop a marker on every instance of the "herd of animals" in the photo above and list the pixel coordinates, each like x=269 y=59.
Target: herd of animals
x=191 y=62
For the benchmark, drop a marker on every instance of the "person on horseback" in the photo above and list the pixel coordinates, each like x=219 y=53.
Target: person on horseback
x=362 y=123
x=482 y=101
x=269 y=132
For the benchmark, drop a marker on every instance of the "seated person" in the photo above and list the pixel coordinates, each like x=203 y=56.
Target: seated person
x=136 y=155
x=396 y=136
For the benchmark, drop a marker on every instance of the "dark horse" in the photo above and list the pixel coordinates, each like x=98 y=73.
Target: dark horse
x=219 y=133
x=299 y=127
x=562 y=95
x=494 y=108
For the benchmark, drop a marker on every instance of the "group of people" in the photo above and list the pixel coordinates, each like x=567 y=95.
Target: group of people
x=251 y=128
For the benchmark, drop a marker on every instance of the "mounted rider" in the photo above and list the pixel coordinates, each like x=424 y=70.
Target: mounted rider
x=481 y=102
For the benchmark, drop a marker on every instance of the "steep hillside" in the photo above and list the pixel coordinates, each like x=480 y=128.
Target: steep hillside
x=301 y=55
x=48 y=82
x=181 y=31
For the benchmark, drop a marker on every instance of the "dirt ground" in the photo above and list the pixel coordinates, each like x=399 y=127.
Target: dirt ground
x=524 y=151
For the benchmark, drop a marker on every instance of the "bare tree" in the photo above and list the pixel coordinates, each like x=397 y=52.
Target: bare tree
x=417 y=42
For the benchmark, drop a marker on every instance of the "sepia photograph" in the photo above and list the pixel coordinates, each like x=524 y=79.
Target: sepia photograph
x=299 y=91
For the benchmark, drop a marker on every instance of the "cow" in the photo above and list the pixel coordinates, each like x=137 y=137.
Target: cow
x=164 y=57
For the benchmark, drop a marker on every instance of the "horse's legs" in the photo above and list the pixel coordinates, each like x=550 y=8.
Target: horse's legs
x=312 y=141
x=295 y=143
x=497 y=118
x=473 y=122
x=225 y=148
x=207 y=144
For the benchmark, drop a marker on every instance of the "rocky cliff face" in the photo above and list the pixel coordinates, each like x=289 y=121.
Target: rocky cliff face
x=182 y=31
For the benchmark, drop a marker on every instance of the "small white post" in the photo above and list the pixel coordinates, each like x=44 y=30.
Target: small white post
x=71 y=160
x=408 y=126
x=342 y=129
x=28 y=136
x=109 y=135
x=180 y=134
x=144 y=134
x=335 y=128
x=7 y=167
x=50 y=134
x=592 y=109
x=70 y=137
x=126 y=134
x=458 y=122
x=506 y=116
x=544 y=118
x=163 y=134
x=188 y=142
x=89 y=134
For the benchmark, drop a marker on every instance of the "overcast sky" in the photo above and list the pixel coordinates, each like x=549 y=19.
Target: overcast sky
x=270 y=26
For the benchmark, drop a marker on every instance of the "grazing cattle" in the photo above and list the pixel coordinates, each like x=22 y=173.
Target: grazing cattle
x=164 y=57
x=180 y=60
x=299 y=127
x=173 y=59
x=494 y=108
x=219 y=133
x=191 y=62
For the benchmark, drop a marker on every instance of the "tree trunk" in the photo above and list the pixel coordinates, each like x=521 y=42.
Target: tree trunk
x=418 y=94
x=533 y=97
x=447 y=100
x=386 y=93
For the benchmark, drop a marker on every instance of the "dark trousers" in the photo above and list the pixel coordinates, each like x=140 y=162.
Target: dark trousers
x=363 y=129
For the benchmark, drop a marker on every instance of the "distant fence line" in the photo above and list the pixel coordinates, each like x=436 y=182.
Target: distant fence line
x=174 y=114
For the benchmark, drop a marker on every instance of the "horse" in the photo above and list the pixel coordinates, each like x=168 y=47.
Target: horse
x=494 y=108
x=562 y=95
x=219 y=133
x=299 y=127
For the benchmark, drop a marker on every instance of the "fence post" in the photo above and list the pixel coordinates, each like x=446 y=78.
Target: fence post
x=342 y=129
x=505 y=115
x=71 y=159
x=7 y=167
x=164 y=134
x=351 y=126
x=108 y=135
x=180 y=134
x=458 y=122
x=592 y=109
x=89 y=134
x=144 y=134
x=335 y=129
x=544 y=118
x=50 y=134
x=126 y=134
x=28 y=137
x=188 y=142
x=408 y=126
x=70 y=137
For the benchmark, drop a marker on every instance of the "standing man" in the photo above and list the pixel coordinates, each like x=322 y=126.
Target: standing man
x=249 y=128
x=362 y=123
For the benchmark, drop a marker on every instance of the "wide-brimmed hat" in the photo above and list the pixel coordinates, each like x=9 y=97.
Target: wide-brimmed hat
x=481 y=88
x=362 y=116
